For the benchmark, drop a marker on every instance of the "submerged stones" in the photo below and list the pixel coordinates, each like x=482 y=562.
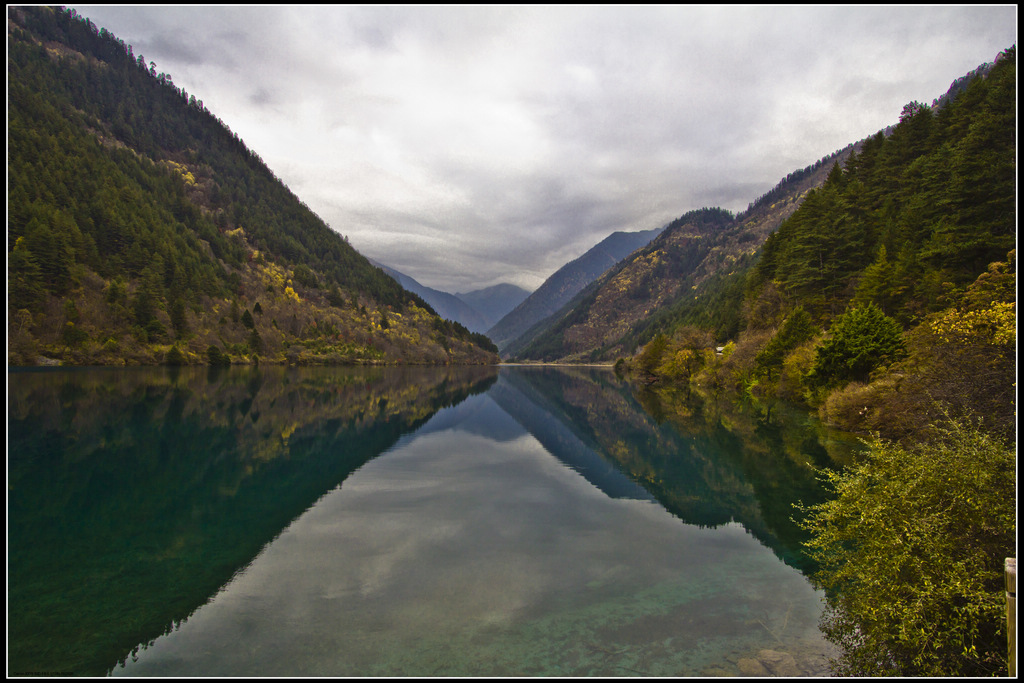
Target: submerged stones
x=783 y=664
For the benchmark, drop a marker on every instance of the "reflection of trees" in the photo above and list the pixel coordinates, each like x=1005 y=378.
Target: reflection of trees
x=773 y=450
x=134 y=495
x=708 y=464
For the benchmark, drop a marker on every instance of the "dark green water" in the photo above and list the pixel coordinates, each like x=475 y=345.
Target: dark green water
x=401 y=522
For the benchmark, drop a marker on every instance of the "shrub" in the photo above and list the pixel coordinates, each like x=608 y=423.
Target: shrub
x=795 y=366
x=740 y=363
x=305 y=276
x=651 y=355
x=851 y=408
x=155 y=331
x=911 y=553
x=686 y=354
x=72 y=336
x=179 y=317
x=964 y=378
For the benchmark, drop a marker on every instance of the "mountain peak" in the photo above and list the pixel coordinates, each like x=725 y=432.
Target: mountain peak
x=566 y=283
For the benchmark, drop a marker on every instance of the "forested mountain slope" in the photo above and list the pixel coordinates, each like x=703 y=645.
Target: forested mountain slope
x=888 y=302
x=700 y=252
x=141 y=230
x=889 y=296
x=920 y=210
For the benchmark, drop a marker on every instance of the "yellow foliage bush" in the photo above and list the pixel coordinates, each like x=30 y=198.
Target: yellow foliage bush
x=795 y=365
x=995 y=325
x=183 y=171
x=273 y=275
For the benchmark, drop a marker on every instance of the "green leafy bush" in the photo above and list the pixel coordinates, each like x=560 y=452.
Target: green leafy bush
x=306 y=277
x=911 y=553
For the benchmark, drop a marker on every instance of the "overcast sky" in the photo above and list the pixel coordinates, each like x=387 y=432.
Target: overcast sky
x=467 y=146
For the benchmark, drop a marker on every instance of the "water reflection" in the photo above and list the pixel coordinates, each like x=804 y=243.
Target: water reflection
x=708 y=463
x=552 y=523
x=460 y=555
x=134 y=495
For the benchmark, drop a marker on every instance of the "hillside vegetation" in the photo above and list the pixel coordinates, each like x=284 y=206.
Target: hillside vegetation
x=899 y=269
x=141 y=230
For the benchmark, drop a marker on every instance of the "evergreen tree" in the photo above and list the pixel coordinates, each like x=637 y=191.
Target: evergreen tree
x=861 y=339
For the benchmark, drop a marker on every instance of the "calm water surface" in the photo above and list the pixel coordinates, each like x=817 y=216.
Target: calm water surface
x=414 y=522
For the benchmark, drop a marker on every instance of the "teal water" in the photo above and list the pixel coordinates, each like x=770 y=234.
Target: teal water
x=401 y=522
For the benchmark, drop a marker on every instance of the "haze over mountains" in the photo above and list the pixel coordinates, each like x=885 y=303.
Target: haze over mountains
x=477 y=310
x=506 y=311
x=494 y=303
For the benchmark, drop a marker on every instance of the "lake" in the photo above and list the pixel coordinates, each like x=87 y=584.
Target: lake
x=513 y=521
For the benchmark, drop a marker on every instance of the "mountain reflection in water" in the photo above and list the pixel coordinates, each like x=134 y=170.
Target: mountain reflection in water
x=147 y=507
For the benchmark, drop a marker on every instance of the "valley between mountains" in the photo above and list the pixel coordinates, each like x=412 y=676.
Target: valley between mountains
x=875 y=288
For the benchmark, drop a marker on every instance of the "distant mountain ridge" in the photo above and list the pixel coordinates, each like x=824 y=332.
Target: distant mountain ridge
x=476 y=310
x=566 y=282
x=448 y=306
x=494 y=303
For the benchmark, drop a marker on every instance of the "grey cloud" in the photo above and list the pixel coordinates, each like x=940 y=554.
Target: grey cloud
x=262 y=97
x=466 y=146
x=177 y=50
